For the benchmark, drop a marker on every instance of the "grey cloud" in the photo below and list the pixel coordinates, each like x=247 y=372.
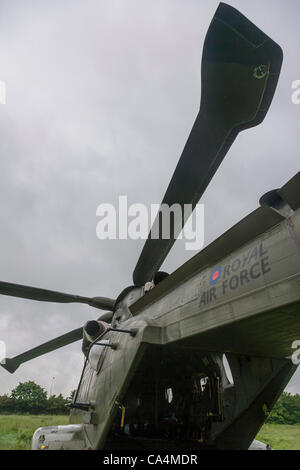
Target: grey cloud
x=101 y=97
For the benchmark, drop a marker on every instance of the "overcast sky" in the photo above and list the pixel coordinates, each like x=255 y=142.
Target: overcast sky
x=101 y=97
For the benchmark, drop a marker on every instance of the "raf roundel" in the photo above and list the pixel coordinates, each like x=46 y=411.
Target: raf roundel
x=215 y=276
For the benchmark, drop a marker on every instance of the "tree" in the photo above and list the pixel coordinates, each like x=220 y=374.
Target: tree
x=57 y=405
x=286 y=410
x=29 y=397
x=6 y=404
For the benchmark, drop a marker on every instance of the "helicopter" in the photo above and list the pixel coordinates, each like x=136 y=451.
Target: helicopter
x=198 y=358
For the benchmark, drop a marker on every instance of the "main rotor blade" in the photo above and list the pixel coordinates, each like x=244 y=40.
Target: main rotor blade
x=11 y=365
x=240 y=71
x=43 y=295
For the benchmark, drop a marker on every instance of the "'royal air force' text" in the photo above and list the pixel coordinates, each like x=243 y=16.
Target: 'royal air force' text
x=249 y=267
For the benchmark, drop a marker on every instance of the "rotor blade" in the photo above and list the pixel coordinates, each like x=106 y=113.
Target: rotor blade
x=34 y=293
x=11 y=365
x=240 y=71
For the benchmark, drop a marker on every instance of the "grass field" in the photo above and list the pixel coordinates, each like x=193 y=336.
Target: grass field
x=16 y=432
x=281 y=437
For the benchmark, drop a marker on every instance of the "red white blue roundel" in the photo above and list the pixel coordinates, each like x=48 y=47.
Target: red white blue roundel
x=215 y=276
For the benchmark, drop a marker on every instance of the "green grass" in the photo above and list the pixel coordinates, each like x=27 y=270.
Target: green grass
x=280 y=436
x=16 y=430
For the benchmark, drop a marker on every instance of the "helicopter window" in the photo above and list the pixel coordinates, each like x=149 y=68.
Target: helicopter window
x=97 y=355
x=83 y=390
x=227 y=369
x=169 y=395
x=203 y=383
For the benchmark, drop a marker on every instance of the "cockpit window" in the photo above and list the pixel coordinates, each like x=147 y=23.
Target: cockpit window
x=83 y=390
x=96 y=355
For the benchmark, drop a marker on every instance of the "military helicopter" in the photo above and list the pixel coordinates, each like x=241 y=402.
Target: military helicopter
x=195 y=359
